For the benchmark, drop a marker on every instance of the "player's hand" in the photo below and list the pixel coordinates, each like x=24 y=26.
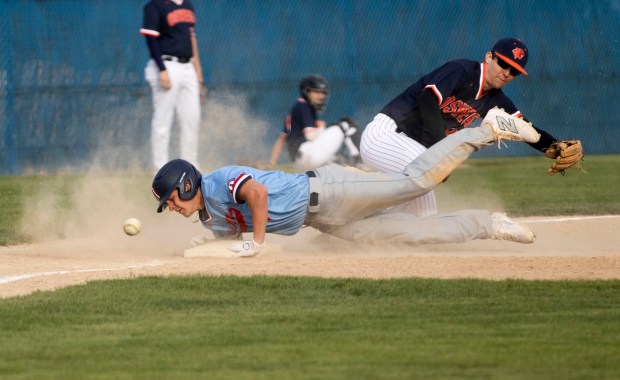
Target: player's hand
x=164 y=80
x=203 y=92
x=247 y=248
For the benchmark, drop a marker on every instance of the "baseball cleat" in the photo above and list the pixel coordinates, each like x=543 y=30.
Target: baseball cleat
x=508 y=127
x=506 y=229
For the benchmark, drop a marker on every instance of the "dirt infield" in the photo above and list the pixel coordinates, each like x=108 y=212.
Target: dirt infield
x=566 y=248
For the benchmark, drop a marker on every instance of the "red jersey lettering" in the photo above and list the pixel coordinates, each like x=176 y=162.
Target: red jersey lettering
x=181 y=15
x=235 y=219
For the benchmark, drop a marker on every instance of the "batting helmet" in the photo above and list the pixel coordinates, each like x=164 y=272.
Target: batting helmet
x=314 y=83
x=176 y=174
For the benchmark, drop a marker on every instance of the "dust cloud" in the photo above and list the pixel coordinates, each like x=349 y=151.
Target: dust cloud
x=94 y=203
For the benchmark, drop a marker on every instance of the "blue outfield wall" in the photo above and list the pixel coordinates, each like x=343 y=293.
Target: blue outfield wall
x=72 y=90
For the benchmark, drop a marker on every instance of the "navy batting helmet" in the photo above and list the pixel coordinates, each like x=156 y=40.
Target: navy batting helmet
x=313 y=83
x=176 y=174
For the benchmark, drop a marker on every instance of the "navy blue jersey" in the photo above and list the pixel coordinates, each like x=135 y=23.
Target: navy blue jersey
x=302 y=116
x=170 y=23
x=458 y=86
x=288 y=196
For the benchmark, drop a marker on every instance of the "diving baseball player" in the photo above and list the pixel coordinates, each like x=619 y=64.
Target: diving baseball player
x=175 y=76
x=341 y=201
x=442 y=102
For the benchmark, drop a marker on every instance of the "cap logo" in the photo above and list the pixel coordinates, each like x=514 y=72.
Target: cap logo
x=518 y=53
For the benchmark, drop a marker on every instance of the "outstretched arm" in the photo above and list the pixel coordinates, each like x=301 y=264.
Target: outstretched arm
x=545 y=141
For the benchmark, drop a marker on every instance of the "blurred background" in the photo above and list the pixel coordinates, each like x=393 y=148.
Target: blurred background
x=73 y=95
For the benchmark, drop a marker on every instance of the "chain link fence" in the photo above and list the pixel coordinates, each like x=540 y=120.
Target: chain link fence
x=73 y=94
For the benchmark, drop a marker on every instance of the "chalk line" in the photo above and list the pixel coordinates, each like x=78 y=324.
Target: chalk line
x=18 y=277
x=571 y=218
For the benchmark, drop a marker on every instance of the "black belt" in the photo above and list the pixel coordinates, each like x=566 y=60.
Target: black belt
x=314 y=196
x=176 y=59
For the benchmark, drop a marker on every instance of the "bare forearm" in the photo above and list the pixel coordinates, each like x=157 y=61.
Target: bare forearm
x=278 y=147
x=196 y=56
x=258 y=208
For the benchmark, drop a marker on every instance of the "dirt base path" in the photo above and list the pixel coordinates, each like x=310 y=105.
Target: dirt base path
x=565 y=248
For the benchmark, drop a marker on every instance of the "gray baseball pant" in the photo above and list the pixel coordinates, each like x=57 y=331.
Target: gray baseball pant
x=354 y=205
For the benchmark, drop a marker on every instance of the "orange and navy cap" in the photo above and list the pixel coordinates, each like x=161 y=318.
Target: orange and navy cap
x=513 y=51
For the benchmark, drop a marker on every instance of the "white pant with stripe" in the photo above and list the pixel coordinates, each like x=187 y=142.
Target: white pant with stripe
x=385 y=150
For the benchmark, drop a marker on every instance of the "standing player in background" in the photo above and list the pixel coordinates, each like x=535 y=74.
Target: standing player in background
x=175 y=76
x=309 y=142
x=442 y=102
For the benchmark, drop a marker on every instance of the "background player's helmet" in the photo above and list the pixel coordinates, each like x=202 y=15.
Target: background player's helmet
x=176 y=174
x=314 y=83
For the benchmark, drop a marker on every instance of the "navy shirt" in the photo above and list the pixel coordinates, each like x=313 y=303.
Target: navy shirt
x=302 y=116
x=458 y=86
x=170 y=24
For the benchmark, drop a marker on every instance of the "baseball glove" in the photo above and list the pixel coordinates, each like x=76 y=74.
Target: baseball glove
x=566 y=153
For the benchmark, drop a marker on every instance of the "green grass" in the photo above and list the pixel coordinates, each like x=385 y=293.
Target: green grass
x=51 y=192
x=14 y=191
x=309 y=328
x=525 y=188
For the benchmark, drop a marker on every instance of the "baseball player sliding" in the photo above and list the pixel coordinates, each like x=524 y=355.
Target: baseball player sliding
x=446 y=100
x=342 y=201
x=175 y=76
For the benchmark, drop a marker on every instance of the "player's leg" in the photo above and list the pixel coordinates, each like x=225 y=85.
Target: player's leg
x=321 y=150
x=188 y=113
x=456 y=227
x=348 y=194
x=387 y=151
x=163 y=113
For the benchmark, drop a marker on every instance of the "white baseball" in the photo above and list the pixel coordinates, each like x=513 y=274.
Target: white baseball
x=132 y=226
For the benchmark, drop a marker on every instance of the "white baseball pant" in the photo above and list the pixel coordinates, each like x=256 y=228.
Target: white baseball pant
x=321 y=150
x=183 y=98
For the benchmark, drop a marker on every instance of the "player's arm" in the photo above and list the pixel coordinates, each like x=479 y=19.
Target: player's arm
x=155 y=51
x=564 y=153
x=431 y=116
x=256 y=196
x=277 y=149
x=545 y=140
x=151 y=32
x=197 y=65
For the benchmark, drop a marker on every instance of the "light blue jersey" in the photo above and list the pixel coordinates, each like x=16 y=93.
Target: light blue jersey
x=287 y=200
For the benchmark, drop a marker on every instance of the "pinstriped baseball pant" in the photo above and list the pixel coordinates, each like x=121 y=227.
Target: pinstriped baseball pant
x=387 y=151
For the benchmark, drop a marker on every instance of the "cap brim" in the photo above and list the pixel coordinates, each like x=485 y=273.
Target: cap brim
x=512 y=63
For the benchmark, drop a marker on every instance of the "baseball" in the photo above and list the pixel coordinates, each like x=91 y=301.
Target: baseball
x=132 y=226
